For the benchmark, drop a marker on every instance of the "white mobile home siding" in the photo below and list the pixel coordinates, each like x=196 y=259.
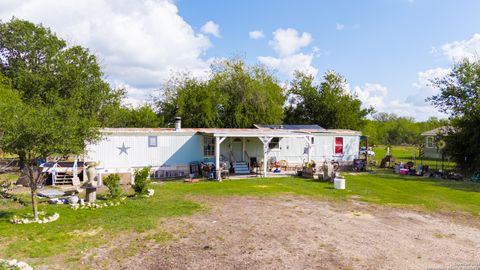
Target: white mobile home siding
x=292 y=149
x=172 y=149
x=181 y=148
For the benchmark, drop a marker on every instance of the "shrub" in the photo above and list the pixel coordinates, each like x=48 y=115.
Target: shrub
x=113 y=184
x=141 y=181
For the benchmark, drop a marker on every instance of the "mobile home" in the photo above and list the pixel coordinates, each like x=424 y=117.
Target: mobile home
x=122 y=150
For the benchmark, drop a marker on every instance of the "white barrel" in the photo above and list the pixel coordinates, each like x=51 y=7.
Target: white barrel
x=339 y=183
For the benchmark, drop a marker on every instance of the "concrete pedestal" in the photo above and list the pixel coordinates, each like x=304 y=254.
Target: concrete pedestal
x=91 y=194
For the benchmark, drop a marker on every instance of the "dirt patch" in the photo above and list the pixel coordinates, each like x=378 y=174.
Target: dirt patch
x=303 y=233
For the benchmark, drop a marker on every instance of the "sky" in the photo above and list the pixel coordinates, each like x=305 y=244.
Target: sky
x=388 y=50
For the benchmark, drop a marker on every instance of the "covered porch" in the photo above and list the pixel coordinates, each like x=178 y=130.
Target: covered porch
x=244 y=146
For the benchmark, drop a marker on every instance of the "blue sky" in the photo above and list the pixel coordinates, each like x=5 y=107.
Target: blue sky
x=385 y=42
x=387 y=50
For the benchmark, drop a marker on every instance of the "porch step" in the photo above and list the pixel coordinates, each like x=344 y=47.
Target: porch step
x=241 y=168
x=64 y=179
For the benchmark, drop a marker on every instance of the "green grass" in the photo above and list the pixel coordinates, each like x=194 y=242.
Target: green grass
x=75 y=230
x=8 y=177
x=79 y=230
x=380 y=187
x=406 y=153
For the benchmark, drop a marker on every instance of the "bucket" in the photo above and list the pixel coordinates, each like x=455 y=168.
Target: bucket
x=339 y=183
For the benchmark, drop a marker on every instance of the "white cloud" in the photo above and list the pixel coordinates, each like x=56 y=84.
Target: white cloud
x=372 y=94
x=288 y=64
x=458 y=50
x=286 y=43
x=211 y=28
x=256 y=34
x=340 y=26
x=424 y=87
x=376 y=95
x=139 y=43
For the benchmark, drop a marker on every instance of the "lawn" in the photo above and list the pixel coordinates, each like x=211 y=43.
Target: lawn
x=406 y=153
x=76 y=231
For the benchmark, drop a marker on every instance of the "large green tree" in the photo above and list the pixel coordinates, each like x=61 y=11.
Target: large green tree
x=235 y=96
x=44 y=69
x=328 y=104
x=57 y=96
x=460 y=98
x=139 y=117
x=390 y=129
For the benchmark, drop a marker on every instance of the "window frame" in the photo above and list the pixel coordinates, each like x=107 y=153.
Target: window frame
x=208 y=146
x=150 y=144
x=430 y=142
x=274 y=145
x=335 y=145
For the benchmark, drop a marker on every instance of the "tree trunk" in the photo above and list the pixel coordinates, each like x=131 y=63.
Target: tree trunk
x=21 y=161
x=33 y=193
x=33 y=189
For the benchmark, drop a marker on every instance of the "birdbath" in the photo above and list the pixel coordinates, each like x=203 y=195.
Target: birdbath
x=91 y=186
x=90 y=193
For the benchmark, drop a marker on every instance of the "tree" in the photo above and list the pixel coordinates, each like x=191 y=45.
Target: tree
x=56 y=97
x=234 y=96
x=140 y=117
x=44 y=70
x=194 y=100
x=460 y=98
x=390 y=129
x=328 y=104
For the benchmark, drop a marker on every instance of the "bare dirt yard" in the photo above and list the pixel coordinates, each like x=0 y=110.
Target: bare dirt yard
x=292 y=232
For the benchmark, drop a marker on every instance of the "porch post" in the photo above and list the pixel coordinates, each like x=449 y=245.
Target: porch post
x=218 y=141
x=309 y=147
x=243 y=149
x=266 y=141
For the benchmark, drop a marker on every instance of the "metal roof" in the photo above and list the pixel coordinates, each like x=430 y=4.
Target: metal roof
x=290 y=127
x=240 y=132
x=438 y=131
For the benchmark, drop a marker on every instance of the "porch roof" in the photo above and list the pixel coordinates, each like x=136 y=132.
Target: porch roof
x=252 y=132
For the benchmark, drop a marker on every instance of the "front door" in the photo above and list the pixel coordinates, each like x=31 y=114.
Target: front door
x=237 y=149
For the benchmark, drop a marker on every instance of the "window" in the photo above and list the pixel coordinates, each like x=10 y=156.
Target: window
x=274 y=143
x=208 y=146
x=312 y=140
x=429 y=142
x=338 y=145
x=152 y=141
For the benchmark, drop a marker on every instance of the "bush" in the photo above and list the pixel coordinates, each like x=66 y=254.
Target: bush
x=113 y=184
x=141 y=181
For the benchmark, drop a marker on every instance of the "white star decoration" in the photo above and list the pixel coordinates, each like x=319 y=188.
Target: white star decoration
x=123 y=149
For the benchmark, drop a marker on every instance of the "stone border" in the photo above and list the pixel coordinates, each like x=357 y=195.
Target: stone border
x=97 y=205
x=149 y=194
x=52 y=218
x=14 y=264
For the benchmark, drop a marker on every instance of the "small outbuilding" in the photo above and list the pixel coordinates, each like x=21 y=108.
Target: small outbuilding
x=434 y=142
